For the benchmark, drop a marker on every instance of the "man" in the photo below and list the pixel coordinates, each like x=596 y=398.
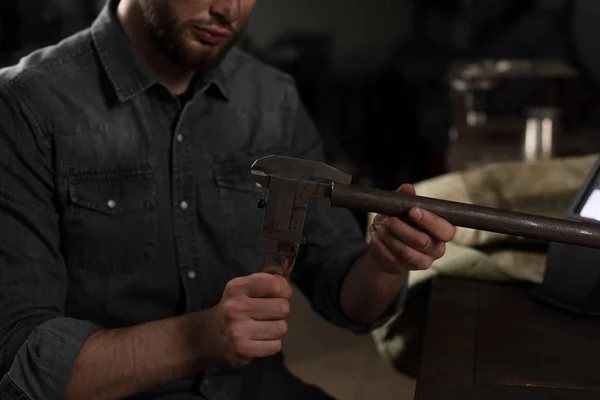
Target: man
x=128 y=261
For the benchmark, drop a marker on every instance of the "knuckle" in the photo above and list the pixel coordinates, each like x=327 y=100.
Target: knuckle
x=383 y=229
x=383 y=254
x=451 y=233
x=275 y=287
x=234 y=310
x=397 y=223
x=411 y=257
x=235 y=286
x=422 y=242
x=276 y=348
x=393 y=225
x=440 y=251
x=236 y=333
x=388 y=258
x=378 y=242
x=447 y=234
x=287 y=290
x=284 y=308
x=240 y=348
x=279 y=289
x=283 y=328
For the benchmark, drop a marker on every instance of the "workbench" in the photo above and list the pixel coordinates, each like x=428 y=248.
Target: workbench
x=495 y=342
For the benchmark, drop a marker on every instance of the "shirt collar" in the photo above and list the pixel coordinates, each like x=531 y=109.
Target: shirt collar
x=128 y=74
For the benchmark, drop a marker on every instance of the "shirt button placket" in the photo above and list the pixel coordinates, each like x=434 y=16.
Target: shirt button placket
x=183 y=204
x=190 y=274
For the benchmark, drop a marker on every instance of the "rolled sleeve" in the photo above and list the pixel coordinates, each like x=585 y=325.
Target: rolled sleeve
x=329 y=294
x=334 y=241
x=38 y=346
x=326 y=260
x=43 y=364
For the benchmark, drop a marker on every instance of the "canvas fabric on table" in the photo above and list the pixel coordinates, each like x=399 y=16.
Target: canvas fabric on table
x=545 y=187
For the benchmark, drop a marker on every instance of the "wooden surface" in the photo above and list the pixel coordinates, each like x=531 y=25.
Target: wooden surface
x=493 y=341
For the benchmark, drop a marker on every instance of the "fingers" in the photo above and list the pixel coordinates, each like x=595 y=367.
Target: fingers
x=258 y=337
x=411 y=256
x=258 y=330
x=394 y=229
x=384 y=254
x=406 y=240
x=268 y=309
x=428 y=230
x=434 y=225
x=254 y=309
x=248 y=349
x=381 y=218
x=262 y=285
x=413 y=243
x=407 y=189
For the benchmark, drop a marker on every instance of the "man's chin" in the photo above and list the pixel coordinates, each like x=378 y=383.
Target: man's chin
x=203 y=63
x=202 y=59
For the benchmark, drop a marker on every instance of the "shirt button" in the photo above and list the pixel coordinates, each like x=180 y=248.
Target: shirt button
x=180 y=138
x=191 y=275
x=111 y=203
x=184 y=205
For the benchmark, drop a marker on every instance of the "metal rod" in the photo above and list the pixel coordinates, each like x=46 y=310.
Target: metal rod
x=468 y=215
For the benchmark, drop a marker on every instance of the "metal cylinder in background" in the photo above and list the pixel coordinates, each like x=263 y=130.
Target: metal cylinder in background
x=542 y=128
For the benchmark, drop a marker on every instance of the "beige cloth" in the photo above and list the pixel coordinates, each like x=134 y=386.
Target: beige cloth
x=546 y=187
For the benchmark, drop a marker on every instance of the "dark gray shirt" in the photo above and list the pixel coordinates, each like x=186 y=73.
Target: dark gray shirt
x=121 y=204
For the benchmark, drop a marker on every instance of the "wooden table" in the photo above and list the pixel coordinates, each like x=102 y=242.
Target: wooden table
x=493 y=341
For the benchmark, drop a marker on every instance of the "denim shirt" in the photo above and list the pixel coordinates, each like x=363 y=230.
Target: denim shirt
x=121 y=204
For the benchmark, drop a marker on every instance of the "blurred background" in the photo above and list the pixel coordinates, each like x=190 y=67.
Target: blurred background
x=405 y=90
x=402 y=91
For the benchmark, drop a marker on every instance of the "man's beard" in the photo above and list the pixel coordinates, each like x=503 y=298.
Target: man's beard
x=167 y=37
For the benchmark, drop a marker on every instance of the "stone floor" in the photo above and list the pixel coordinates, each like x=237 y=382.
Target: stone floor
x=347 y=366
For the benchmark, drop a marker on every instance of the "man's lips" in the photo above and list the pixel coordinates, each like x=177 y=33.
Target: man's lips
x=212 y=36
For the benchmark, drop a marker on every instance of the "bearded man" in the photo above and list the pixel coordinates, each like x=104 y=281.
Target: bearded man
x=128 y=251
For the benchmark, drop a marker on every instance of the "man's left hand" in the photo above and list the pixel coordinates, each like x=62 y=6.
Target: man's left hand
x=399 y=246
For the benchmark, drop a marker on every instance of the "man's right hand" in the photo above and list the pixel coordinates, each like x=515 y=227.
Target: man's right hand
x=251 y=317
x=248 y=323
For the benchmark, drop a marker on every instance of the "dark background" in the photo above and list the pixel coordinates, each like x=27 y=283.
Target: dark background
x=373 y=73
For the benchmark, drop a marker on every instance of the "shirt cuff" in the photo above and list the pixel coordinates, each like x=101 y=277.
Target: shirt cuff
x=43 y=364
x=334 y=277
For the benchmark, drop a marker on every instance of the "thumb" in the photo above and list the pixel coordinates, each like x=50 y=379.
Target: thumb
x=407 y=188
x=379 y=219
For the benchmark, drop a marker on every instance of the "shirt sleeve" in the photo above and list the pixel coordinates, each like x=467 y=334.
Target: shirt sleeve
x=334 y=240
x=38 y=345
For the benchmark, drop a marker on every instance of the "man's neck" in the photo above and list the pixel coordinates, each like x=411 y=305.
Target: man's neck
x=175 y=78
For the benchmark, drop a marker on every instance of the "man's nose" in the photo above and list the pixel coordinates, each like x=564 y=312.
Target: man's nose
x=228 y=10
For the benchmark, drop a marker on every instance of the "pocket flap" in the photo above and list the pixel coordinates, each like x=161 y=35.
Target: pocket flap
x=112 y=192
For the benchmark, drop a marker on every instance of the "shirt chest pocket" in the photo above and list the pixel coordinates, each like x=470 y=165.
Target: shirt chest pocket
x=239 y=197
x=110 y=223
